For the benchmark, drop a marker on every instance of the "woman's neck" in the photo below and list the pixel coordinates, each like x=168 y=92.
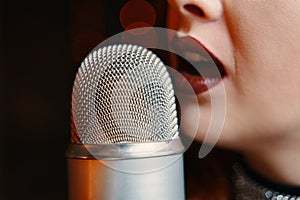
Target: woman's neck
x=277 y=160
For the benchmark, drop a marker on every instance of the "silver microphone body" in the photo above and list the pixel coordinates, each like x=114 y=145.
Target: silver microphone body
x=136 y=177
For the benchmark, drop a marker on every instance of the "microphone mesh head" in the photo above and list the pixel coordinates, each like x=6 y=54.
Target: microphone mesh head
x=123 y=94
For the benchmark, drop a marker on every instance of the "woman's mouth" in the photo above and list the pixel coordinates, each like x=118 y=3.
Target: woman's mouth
x=198 y=66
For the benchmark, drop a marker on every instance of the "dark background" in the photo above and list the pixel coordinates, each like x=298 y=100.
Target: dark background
x=42 y=43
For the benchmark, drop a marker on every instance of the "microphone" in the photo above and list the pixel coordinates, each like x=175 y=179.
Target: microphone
x=125 y=143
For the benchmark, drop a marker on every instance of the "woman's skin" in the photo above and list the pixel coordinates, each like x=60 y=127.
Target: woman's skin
x=258 y=43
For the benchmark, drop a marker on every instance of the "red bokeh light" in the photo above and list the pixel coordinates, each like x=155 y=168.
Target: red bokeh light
x=137 y=14
x=146 y=37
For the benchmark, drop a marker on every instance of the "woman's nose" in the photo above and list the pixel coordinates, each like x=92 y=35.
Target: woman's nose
x=208 y=10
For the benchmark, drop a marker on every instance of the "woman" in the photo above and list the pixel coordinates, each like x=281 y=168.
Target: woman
x=257 y=43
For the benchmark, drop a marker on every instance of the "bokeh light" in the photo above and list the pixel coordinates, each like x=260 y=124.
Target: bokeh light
x=137 y=14
x=146 y=36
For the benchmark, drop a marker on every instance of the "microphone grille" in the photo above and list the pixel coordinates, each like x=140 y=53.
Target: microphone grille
x=123 y=94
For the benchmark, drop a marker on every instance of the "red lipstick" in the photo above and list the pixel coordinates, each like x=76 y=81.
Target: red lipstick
x=198 y=66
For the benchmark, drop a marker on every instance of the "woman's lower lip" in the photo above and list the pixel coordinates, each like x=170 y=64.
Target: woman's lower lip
x=199 y=84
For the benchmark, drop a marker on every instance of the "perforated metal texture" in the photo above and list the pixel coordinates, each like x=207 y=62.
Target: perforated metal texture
x=123 y=94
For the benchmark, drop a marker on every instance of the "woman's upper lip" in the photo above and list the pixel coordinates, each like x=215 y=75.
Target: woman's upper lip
x=199 y=67
x=202 y=60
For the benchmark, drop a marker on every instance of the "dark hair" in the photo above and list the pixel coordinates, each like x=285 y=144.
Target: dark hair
x=209 y=177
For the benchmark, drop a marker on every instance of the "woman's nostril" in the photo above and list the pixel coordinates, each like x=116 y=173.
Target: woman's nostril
x=194 y=10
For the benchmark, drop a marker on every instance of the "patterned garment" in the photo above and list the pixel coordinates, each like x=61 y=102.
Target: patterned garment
x=248 y=188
